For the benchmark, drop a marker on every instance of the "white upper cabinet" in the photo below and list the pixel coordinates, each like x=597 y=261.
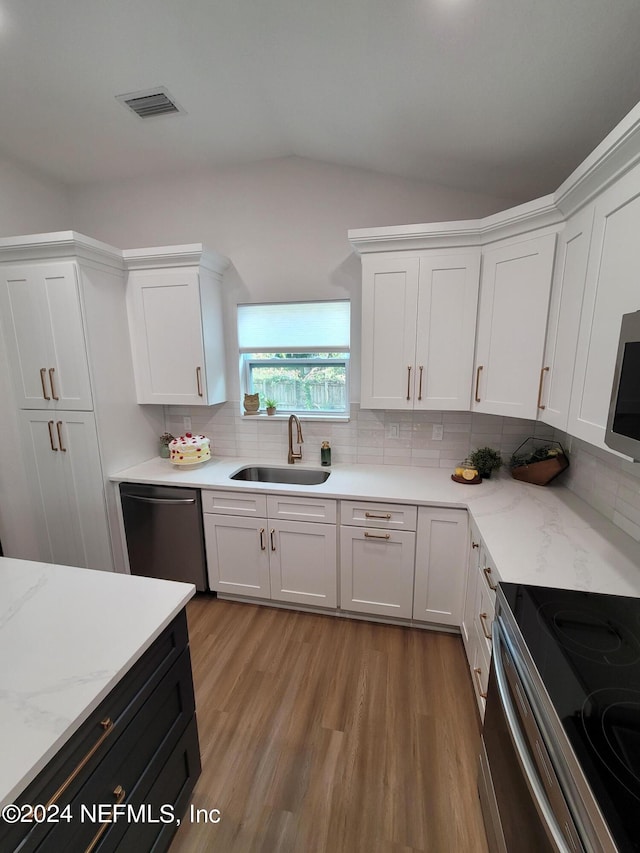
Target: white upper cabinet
x=44 y=330
x=176 y=326
x=418 y=327
x=567 y=291
x=612 y=289
x=512 y=319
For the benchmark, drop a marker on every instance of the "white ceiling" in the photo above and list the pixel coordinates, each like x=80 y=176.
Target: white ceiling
x=497 y=96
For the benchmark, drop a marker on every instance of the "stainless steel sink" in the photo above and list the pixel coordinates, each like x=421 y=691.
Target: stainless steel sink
x=271 y=474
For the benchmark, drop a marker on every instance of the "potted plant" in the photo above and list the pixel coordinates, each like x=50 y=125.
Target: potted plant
x=538 y=461
x=270 y=406
x=486 y=460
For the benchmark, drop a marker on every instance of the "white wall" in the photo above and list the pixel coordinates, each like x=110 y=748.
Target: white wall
x=29 y=204
x=283 y=223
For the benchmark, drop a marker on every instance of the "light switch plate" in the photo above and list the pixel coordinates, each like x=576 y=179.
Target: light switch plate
x=186 y=424
x=393 y=431
x=436 y=432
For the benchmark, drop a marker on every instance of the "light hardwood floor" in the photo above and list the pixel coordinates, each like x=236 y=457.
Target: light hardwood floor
x=328 y=735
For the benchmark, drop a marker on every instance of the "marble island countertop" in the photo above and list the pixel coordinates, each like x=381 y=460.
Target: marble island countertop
x=540 y=535
x=67 y=636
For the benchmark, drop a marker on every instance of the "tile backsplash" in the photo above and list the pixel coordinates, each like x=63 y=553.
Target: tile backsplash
x=605 y=481
x=373 y=437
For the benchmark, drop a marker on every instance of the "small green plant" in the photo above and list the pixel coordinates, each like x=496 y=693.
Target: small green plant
x=270 y=404
x=486 y=460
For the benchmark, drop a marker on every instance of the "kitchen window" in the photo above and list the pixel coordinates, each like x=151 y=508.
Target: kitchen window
x=297 y=353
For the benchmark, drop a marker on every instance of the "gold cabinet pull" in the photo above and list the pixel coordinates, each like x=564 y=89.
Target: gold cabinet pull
x=43 y=370
x=421 y=368
x=263 y=547
x=50 y=425
x=385 y=516
x=199 y=381
x=487 y=574
x=478 y=674
x=272 y=533
x=52 y=370
x=60 y=443
x=119 y=793
x=409 y=382
x=542 y=373
x=480 y=366
x=377 y=535
x=475 y=544
x=107 y=727
x=483 y=622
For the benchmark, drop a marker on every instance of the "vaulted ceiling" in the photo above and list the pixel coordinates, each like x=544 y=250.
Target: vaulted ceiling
x=497 y=96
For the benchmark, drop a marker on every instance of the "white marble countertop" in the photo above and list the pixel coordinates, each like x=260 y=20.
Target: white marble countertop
x=539 y=535
x=67 y=636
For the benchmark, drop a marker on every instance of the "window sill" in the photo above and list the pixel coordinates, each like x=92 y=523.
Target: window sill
x=284 y=416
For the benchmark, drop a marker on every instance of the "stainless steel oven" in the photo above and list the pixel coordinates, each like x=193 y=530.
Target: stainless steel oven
x=560 y=756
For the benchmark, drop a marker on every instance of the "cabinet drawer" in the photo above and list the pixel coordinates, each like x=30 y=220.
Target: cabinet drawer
x=100 y=734
x=139 y=753
x=301 y=509
x=484 y=615
x=388 y=516
x=480 y=670
x=234 y=503
x=489 y=575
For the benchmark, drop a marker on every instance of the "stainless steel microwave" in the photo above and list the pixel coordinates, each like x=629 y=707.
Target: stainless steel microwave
x=623 y=423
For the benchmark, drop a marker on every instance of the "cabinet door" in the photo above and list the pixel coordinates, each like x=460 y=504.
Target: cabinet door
x=376 y=571
x=389 y=308
x=237 y=555
x=612 y=289
x=446 y=330
x=66 y=484
x=567 y=291
x=303 y=563
x=166 y=336
x=45 y=336
x=441 y=565
x=512 y=320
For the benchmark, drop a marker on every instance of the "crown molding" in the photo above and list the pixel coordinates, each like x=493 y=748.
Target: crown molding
x=59 y=245
x=163 y=257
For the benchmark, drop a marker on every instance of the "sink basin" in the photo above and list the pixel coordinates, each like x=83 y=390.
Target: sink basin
x=271 y=474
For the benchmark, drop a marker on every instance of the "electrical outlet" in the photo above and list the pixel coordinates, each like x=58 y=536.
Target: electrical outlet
x=436 y=432
x=186 y=424
x=393 y=431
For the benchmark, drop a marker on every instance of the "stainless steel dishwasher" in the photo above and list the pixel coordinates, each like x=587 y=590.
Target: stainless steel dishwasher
x=163 y=527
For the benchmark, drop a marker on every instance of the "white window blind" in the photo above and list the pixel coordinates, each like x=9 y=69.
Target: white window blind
x=294 y=327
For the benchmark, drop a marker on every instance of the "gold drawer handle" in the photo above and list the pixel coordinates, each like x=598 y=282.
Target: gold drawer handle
x=119 y=793
x=59 y=428
x=377 y=535
x=542 y=373
x=421 y=368
x=483 y=622
x=272 y=533
x=487 y=574
x=52 y=370
x=50 y=425
x=480 y=367
x=478 y=674
x=107 y=726
x=199 y=381
x=263 y=547
x=475 y=544
x=385 y=516
x=408 y=383
x=43 y=370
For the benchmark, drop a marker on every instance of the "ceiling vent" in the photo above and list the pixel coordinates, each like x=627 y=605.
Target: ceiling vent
x=150 y=103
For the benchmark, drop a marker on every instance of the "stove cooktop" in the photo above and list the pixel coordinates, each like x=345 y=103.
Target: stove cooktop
x=586 y=648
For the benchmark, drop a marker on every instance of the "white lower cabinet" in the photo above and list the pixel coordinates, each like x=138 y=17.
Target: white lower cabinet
x=441 y=563
x=376 y=571
x=65 y=478
x=478 y=614
x=270 y=557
